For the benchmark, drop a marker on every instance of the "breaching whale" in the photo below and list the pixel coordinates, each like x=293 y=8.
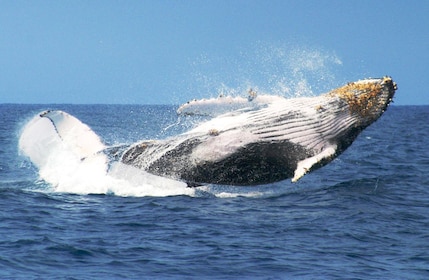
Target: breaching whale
x=252 y=145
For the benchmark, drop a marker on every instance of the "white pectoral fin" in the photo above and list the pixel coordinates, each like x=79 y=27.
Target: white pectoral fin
x=214 y=106
x=305 y=165
x=75 y=134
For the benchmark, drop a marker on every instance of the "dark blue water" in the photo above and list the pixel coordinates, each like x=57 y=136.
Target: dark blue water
x=364 y=216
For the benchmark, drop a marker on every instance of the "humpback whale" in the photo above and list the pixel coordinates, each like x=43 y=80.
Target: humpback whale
x=252 y=144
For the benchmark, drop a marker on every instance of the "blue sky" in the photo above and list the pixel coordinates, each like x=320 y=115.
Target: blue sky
x=167 y=52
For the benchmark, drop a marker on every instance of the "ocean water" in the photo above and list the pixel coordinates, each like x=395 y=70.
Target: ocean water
x=363 y=216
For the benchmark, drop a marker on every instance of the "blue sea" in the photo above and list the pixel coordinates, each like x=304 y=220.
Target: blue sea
x=363 y=216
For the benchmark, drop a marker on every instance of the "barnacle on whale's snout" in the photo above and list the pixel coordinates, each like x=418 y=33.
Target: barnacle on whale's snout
x=366 y=98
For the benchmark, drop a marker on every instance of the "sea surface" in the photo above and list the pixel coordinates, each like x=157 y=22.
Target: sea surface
x=363 y=216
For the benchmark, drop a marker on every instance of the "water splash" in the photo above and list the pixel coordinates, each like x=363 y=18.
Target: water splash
x=285 y=70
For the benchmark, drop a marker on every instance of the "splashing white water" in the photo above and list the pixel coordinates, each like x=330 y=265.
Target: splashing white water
x=285 y=70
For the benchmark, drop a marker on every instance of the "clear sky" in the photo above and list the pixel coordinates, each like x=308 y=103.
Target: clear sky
x=167 y=52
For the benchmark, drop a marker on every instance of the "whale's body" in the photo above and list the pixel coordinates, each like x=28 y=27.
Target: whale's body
x=253 y=145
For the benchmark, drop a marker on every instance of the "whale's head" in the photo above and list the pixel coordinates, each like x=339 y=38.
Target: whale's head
x=367 y=99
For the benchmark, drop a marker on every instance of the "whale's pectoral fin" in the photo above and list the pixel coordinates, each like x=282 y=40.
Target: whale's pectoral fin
x=306 y=165
x=53 y=132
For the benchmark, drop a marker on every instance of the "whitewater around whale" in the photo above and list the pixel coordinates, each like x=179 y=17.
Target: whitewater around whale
x=254 y=141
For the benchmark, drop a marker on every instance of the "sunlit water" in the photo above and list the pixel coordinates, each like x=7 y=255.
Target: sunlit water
x=364 y=216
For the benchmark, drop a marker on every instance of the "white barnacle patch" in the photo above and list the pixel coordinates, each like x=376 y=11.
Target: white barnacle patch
x=319 y=108
x=213 y=132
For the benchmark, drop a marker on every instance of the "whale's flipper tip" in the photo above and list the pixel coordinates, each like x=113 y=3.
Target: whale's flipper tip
x=304 y=166
x=44 y=113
